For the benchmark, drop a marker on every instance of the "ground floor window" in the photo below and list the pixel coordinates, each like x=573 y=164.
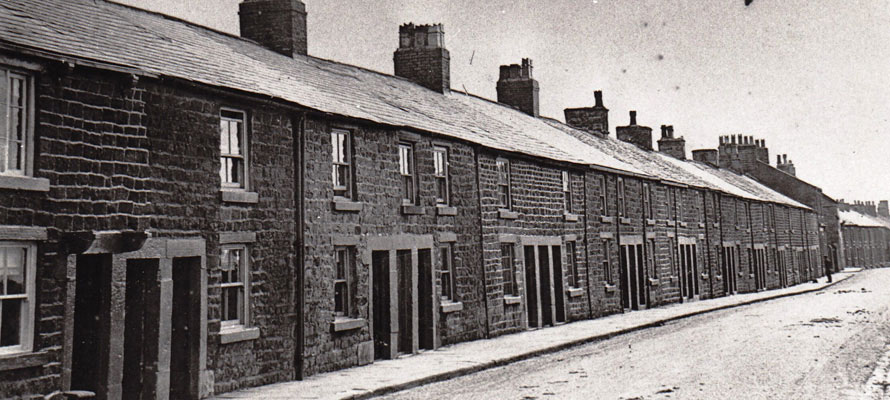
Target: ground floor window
x=17 y=270
x=343 y=281
x=446 y=275
x=509 y=267
x=234 y=284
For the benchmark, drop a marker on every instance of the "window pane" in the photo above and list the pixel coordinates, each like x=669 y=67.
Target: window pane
x=231 y=309
x=236 y=170
x=224 y=137
x=341 y=264
x=10 y=322
x=340 y=297
x=235 y=137
x=15 y=270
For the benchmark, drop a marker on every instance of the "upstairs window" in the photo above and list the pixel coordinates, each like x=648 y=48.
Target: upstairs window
x=504 y=197
x=567 y=191
x=440 y=172
x=234 y=284
x=603 y=195
x=622 y=209
x=647 y=202
x=607 y=263
x=341 y=156
x=17 y=273
x=16 y=116
x=232 y=148
x=406 y=169
x=343 y=281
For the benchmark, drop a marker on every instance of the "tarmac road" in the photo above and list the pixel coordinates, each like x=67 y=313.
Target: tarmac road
x=831 y=344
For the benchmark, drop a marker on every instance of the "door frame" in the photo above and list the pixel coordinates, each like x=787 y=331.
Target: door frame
x=637 y=245
x=549 y=242
x=121 y=248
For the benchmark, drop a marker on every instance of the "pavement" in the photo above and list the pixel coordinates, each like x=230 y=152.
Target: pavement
x=388 y=376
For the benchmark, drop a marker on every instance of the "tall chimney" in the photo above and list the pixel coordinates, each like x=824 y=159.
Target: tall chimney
x=591 y=119
x=278 y=25
x=786 y=166
x=884 y=209
x=518 y=88
x=641 y=136
x=670 y=145
x=422 y=57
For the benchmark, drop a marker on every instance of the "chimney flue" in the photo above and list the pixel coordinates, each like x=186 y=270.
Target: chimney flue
x=422 y=57
x=633 y=118
x=517 y=88
x=590 y=119
x=278 y=25
x=598 y=96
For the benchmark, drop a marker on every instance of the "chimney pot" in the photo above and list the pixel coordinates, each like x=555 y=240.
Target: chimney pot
x=633 y=117
x=733 y=139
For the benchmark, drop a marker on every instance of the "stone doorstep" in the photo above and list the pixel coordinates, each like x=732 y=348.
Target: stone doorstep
x=657 y=317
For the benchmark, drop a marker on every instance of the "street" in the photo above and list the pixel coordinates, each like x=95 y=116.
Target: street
x=830 y=344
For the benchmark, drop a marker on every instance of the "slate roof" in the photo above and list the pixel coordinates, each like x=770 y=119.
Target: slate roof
x=684 y=172
x=106 y=32
x=853 y=217
x=98 y=31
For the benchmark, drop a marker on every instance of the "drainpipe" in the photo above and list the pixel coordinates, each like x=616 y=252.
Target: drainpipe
x=299 y=246
x=482 y=245
x=704 y=202
x=587 y=210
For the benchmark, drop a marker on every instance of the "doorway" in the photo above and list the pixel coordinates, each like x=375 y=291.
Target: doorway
x=633 y=276
x=141 y=328
x=425 y=300
x=730 y=269
x=92 y=305
x=185 y=328
x=689 y=283
x=381 y=297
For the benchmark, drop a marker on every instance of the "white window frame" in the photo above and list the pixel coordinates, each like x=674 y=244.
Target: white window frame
x=26 y=330
x=567 y=191
x=243 y=156
x=441 y=169
x=27 y=154
x=348 y=280
x=504 y=179
x=408 y=173
x=344 y=191
x=510 y=270
x=446 y=271
x=244 y=284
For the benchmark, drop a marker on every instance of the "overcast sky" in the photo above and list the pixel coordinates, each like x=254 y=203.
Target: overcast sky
x=810 y=77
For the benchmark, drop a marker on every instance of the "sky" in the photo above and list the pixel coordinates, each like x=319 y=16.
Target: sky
x=812 y=78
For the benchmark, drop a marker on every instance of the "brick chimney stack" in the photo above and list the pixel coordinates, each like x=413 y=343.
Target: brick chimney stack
x=670 y=145
x=786 y=166
x=641 y=136
x=422 y=57
x=710 y=156
x=518 y=88
x=591 y=119
x=741 y=153
x=884 y=209
x=278 y=25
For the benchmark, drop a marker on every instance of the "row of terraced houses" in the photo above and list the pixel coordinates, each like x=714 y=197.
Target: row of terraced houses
x=184 y=212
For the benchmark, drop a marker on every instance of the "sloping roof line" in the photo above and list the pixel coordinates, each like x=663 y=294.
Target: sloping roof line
x=856 y=218
x=129 y=38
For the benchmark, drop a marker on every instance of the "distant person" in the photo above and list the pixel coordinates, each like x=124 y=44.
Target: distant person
x=828 y=268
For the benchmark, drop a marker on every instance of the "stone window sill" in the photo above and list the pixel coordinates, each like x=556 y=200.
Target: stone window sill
x=239 y=196
x=701 y=224
x=238 y=334
x=705 y=276
x=650 y=222
x=408 y=209
x=610 y=288
x=507 y=214
x=569 y=217
x=575 y=292
x=716 y=224
x=684 y=225
x=671 y=223
x=751 y=276
x=24 y=183
x=344 y=204
x=608 y=220
x=446 y=211
x=450 y=307
x=512 y=299
x=719 y=277
x=342 y=324
x=624 y=220
x=741 y=274
x=23 y=360
x=654 y=282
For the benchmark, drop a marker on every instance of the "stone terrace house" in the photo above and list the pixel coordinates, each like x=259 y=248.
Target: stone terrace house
x=186 y=212
x=865 y=232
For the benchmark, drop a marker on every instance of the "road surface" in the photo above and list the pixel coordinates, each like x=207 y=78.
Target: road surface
x=831 y=344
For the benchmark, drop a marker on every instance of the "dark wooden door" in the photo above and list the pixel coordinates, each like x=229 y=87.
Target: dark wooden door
x=545 y=286
x=92 y=307
x=405 y=302
x=425 y=299
x=185 y=328
x=558 y=286
x=531 y=287
x=381 y=310
x=141 y=309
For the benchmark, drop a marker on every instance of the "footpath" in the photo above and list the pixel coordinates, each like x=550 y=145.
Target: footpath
x=388 y=376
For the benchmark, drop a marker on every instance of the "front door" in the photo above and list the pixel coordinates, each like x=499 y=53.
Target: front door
x=689 y=283
x=185 y=328
x=92 y=308
x=140 y=362
x=633 y=276
x=531 y=287
x=380 y=293
x=405 y=302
